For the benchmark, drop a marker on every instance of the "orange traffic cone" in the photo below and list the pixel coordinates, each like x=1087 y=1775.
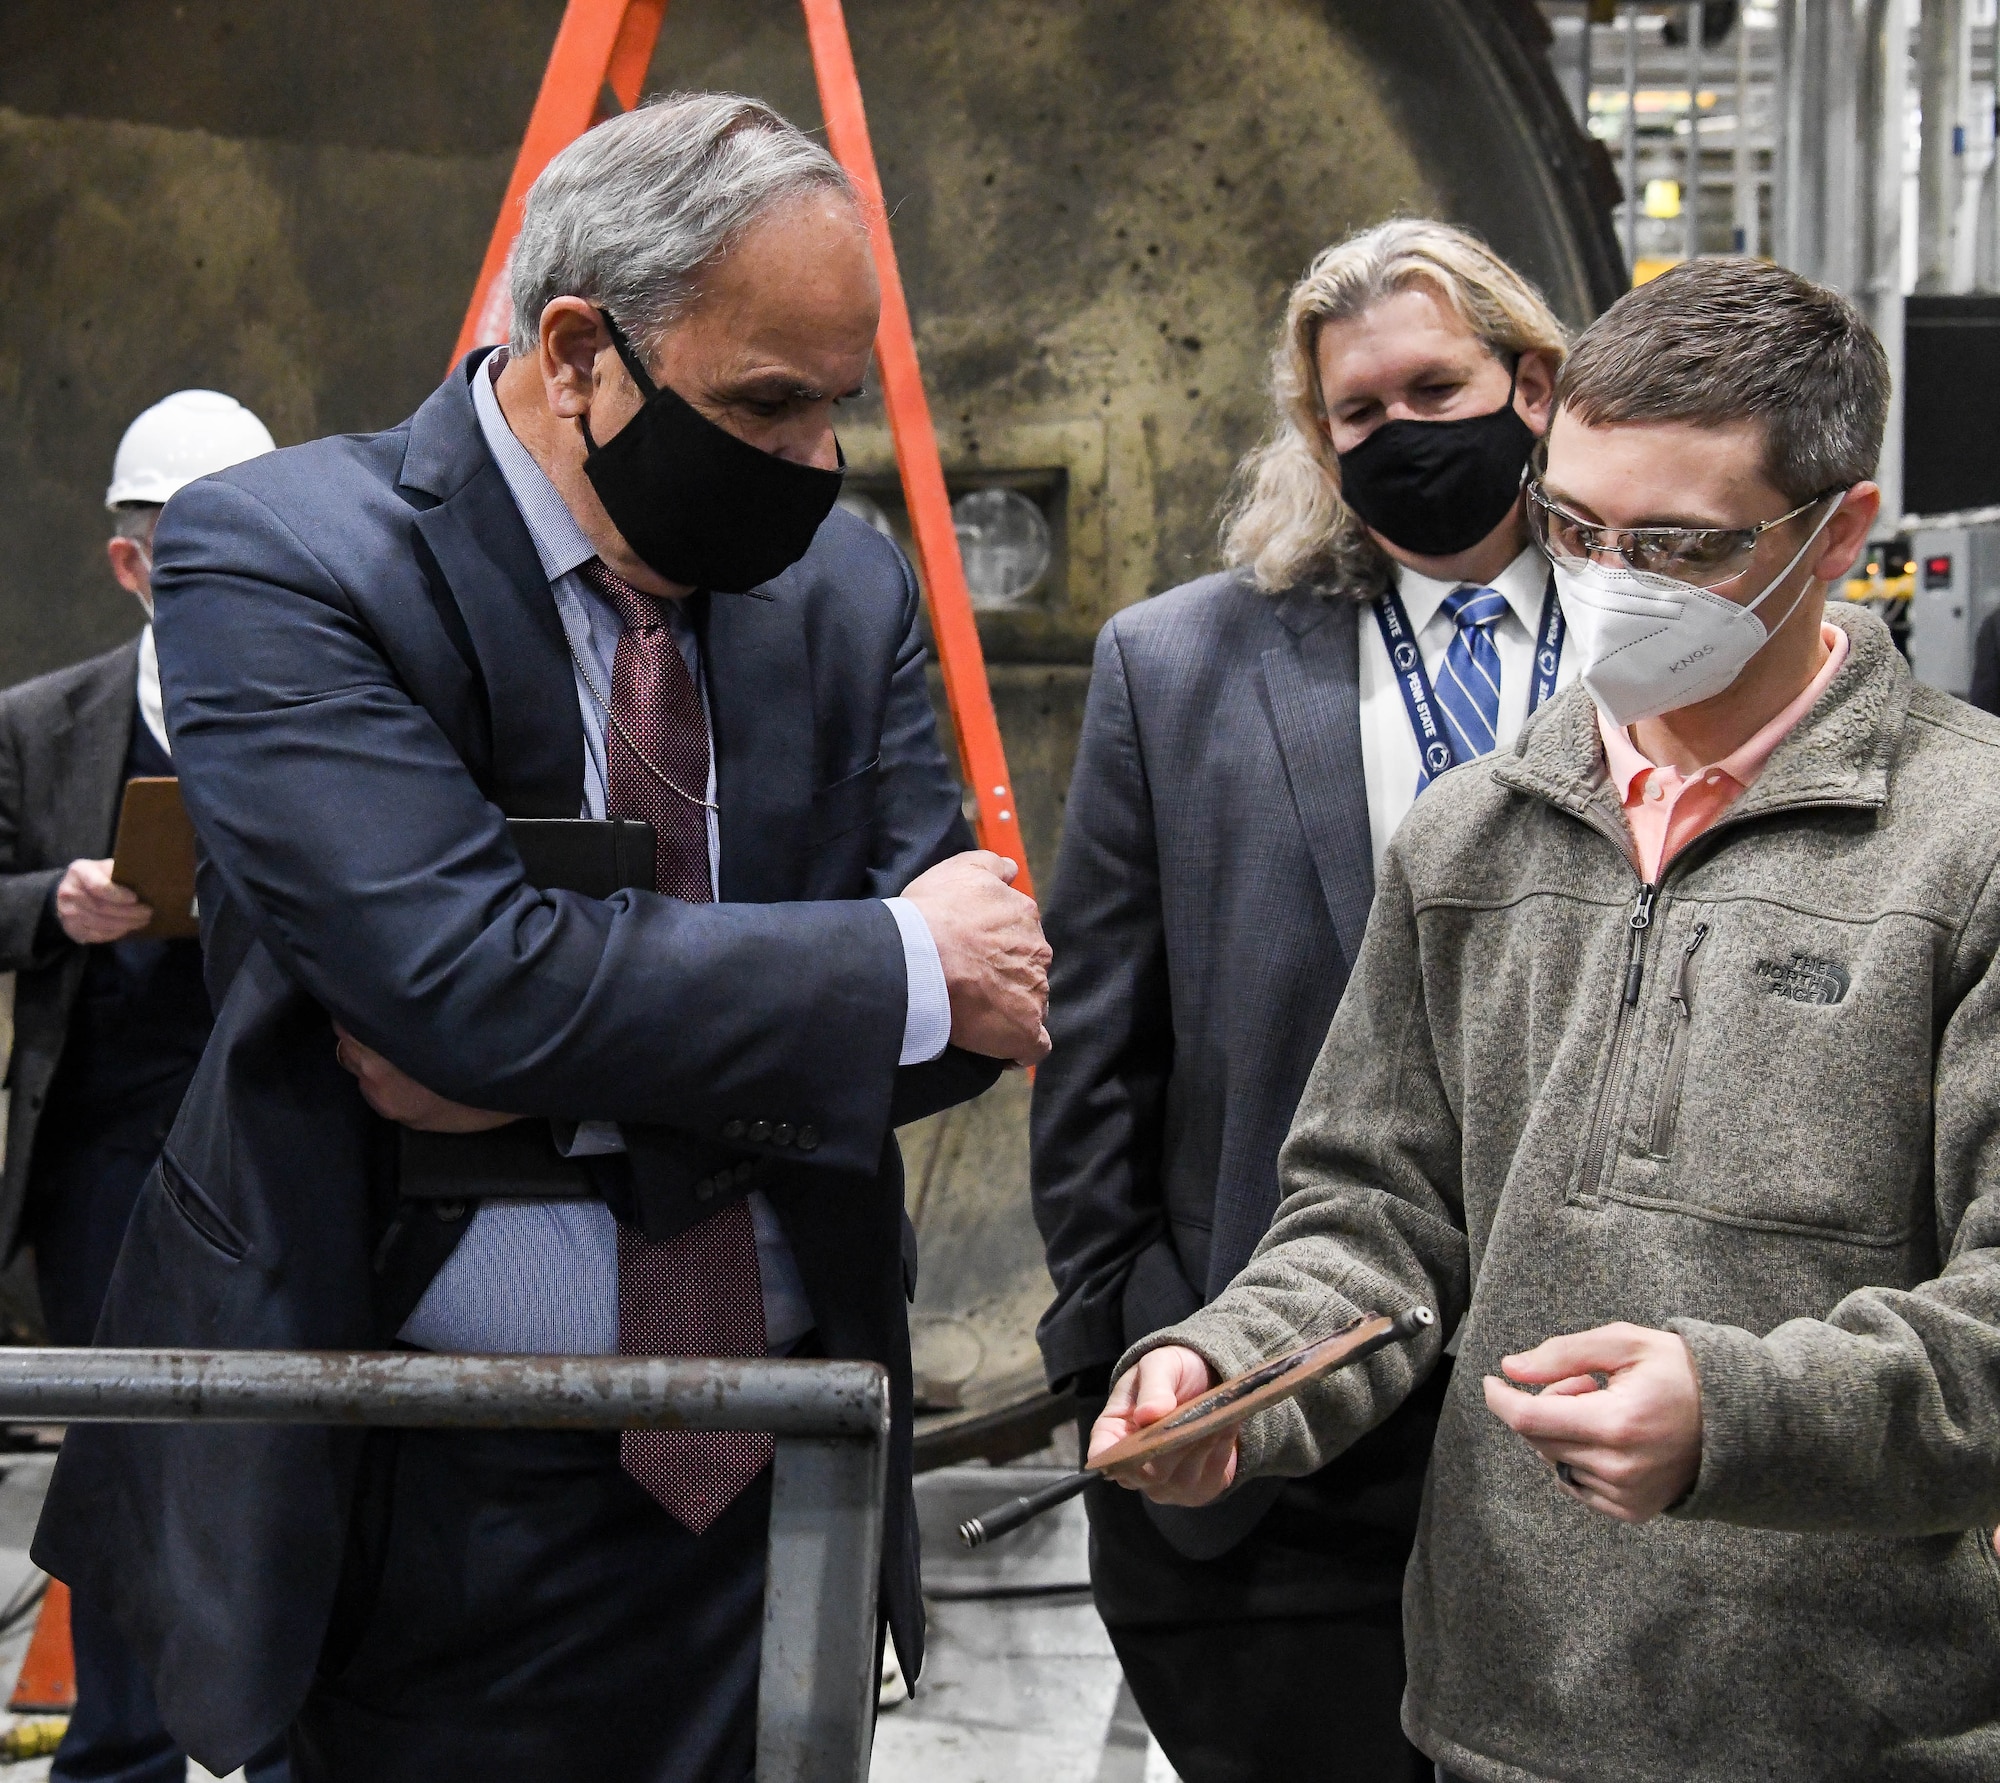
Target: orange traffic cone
x=47 y=1684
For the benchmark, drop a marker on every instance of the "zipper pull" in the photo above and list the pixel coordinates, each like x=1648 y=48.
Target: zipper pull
x=1678 y=994
x=1638 y=922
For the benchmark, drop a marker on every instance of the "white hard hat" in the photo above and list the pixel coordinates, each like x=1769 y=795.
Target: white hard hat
x=189 y=434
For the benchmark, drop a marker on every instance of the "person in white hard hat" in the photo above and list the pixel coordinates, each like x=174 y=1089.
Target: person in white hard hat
x=108 y=1024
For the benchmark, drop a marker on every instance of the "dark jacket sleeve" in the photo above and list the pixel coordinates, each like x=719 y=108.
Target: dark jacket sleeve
x=919 y=821
x=335 y=809
x=1100 y=1095
x=29 y=936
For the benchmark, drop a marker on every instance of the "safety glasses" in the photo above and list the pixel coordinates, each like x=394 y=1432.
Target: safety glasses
x=1702 y=556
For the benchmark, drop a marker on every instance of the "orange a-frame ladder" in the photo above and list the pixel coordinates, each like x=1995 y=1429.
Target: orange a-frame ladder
x=610 y=43
x=46 y=1684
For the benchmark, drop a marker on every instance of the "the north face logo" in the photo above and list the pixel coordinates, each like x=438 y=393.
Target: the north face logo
x=1804 y=979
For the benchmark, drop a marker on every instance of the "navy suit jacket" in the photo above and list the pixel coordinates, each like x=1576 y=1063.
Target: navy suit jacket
x=365 y=675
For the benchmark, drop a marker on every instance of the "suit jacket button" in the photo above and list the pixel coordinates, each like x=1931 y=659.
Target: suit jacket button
x=781 y=1134
x=732 y=1130
x=759 y=1132
x=705 y=1189
x=448 y=1211
x=808 y=1139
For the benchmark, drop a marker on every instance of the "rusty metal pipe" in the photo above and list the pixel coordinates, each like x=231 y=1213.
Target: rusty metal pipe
x=810 y=1399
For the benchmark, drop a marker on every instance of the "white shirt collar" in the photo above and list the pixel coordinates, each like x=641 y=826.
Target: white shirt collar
x=1523 y=583
x=151 y=707
x=559 y=542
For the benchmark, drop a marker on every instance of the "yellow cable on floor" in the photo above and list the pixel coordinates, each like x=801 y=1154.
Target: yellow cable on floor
x=32 y=1739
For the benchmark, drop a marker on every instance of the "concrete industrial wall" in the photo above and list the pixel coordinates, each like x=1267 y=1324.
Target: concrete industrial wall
x=1098 y=206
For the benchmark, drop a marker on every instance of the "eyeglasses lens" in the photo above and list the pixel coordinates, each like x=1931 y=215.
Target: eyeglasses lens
x=1702 y=556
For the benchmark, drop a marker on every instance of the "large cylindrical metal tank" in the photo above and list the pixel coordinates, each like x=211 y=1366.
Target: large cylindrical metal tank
x=1098 y=205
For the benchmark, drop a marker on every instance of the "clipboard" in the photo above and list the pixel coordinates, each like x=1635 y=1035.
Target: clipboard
x=154 y=856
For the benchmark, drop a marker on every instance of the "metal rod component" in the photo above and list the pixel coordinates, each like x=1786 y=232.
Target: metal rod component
x=1691 y=175
x=819 y=1673
x=1744 y=164
x=1940 y=31
x=1882 y=114
x=1631 y=139
x=1005 y=1519
x=1972 y=154
x=1405 y=1325
x=1788 y=182
x=1819 y=175
x=847 y=1400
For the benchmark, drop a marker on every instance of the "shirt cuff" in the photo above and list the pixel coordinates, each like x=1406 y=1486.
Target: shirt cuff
x=927 y=1017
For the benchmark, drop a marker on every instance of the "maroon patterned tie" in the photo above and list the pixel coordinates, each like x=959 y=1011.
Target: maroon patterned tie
x=698 y=1294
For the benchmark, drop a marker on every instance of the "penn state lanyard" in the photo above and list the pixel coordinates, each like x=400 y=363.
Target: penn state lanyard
x=1399 y=638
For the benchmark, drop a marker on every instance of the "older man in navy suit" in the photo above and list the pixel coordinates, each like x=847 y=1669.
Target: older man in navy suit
x=598 y=574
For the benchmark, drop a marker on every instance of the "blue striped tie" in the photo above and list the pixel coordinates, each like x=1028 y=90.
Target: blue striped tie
x=1468 y=692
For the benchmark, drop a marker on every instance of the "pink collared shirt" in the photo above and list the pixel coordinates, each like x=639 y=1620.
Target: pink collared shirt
x=1666 y=811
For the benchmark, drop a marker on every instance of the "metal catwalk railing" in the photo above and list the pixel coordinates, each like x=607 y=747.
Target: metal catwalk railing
x=818 y=1682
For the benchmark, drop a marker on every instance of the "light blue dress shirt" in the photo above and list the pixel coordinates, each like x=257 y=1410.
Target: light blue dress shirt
x=541 y=1277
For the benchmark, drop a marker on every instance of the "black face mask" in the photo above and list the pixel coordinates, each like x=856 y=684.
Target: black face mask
x=1438 y=487
x=696 y=503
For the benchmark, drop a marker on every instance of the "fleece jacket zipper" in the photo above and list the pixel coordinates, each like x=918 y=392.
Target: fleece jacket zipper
x=1600 y=1145
x=1667 y=1106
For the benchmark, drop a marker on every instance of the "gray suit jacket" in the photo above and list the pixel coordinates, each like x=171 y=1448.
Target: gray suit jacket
x=63 y=739
x=1209 y=901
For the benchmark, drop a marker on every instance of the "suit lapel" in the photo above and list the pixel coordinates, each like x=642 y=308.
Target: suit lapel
x=760 y=707
x=1313 y=697
x=481 y=546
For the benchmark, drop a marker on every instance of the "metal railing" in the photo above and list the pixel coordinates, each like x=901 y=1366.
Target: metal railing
x=818 y=1680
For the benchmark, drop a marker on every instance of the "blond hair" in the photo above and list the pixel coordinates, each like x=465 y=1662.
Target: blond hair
x=1284 y=521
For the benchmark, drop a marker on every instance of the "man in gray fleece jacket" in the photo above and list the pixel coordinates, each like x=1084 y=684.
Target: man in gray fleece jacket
x=1670 y=1076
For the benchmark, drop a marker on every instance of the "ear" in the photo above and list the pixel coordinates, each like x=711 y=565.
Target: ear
x=1846 y=535
x=573 y=335
x=128 y=564
x=1535 y=389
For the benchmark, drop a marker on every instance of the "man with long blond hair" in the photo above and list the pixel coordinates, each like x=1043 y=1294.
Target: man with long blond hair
x=1252 y=741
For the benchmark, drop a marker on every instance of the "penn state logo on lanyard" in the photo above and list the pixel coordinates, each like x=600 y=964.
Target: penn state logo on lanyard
x=1399 y=639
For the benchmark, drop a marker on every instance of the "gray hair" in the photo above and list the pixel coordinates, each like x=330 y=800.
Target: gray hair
x=629 y=215
x=135 y=520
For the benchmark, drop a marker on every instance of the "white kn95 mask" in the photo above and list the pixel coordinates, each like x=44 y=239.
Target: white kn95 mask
x=1650 y=644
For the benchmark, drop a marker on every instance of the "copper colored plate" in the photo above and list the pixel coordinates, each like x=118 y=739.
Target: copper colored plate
x=1224 y=1407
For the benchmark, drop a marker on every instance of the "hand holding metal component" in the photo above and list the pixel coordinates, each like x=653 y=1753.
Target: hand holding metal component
x=1220 y=1408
